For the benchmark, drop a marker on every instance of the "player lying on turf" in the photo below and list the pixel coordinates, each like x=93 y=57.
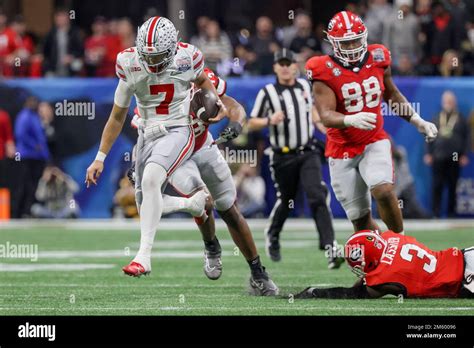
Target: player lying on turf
x=160 y=72
x=394 y=264
x=348 y=88
x=207 y=170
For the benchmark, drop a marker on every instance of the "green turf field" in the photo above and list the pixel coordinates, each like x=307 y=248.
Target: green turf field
x=78 y=272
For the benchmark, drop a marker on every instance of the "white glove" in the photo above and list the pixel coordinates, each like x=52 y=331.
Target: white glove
x=154 y=132
x=424 y=127
x=361 y=120
x=136 y=121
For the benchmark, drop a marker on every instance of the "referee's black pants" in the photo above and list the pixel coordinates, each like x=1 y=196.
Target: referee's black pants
x=288 y=171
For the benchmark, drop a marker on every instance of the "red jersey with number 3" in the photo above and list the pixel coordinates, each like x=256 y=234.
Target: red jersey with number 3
x=357 y=89
x=421 y=271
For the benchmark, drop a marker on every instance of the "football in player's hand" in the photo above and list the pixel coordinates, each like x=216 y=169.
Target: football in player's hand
x=204 y=104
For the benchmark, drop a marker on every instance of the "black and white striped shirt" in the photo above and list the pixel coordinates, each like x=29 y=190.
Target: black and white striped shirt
x=296 y=103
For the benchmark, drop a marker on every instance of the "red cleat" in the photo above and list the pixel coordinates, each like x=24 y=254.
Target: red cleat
x=135 y=269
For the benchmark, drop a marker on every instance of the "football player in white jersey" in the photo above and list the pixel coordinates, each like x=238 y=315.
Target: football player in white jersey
x=207 y=170
x=160 y=72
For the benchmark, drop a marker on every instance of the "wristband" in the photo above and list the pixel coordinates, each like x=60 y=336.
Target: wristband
x=100 y=156
x=415 y=119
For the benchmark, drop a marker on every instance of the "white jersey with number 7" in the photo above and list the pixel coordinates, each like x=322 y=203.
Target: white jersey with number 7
x=164 y=97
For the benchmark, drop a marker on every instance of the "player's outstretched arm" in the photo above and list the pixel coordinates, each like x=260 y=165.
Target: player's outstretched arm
x=358 y=291
x=317 y=120
x=202 y=81
x=403 y=108
x=325 y=102
x=236 y=115
x=111 y=131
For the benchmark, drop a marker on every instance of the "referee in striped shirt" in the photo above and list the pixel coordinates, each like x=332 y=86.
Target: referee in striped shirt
x=286 y=108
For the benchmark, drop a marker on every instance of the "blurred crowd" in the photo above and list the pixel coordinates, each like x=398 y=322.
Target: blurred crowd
x=426 y=37
x=29 y=164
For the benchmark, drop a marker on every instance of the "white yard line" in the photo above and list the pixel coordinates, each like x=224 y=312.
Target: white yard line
x=268 y=309
x=114 y=286
x=34 y=267
x=184 y=224
x=66 y=254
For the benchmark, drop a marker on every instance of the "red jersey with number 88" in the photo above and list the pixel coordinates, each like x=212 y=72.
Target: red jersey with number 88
x=357 y=89
x=421 y=271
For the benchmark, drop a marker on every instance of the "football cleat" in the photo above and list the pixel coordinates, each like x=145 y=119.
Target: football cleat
x=135 y=269
x=262 y=285
x=212 y=259
x=272 y=246
x=335 y=255
x=212 y=264
x=335 y=262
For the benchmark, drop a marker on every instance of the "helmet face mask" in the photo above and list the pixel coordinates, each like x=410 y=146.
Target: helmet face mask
x=157 y=62
x=350 y=50
x=157 y=44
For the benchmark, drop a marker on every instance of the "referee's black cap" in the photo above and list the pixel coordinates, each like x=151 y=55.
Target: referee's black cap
x=284 y=54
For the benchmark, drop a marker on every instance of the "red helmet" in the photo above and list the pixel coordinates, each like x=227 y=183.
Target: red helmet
x=348 y=36
x=364 y=250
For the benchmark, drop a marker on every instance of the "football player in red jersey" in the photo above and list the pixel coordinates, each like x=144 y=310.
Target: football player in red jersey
x=391 y=263
x=348 y=87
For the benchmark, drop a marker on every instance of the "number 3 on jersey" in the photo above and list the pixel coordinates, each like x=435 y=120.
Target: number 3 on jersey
x=168 y=90
x=352 y=93
x=405 y=254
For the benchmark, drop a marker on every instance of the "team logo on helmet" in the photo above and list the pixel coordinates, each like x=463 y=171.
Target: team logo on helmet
x=309 y=74
x=355 y=254
x=331 y=24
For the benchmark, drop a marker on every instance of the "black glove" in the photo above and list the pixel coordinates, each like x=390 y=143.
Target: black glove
x=232 y=131
x=131 y=174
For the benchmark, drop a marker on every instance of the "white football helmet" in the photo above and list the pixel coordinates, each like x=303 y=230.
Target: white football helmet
x=156 y=43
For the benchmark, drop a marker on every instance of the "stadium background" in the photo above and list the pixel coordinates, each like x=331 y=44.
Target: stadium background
x=78 y=137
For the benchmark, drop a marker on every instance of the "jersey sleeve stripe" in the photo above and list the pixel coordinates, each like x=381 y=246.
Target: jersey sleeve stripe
x=121 y=76
x=197 y=57
x=221 y=86
x=199 y=63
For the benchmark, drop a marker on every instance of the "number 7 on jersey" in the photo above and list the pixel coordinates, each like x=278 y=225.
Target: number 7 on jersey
x=168 y=90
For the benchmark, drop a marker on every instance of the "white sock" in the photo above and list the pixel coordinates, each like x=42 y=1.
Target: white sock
x=151 y=209
x=173 y=204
